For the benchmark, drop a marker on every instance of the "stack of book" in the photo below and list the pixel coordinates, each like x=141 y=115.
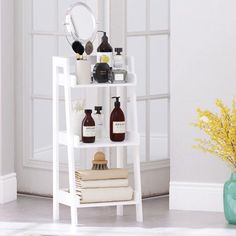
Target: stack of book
x=103 y=185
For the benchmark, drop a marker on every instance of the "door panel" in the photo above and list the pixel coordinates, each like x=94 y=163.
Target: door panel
x=136 y=10
x=159 y=130
x=159 y=64
x=136 y=46
x=159 y=14
x=47 y=9
x=39 y=36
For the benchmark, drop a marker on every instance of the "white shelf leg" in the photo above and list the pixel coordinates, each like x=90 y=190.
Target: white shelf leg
x=70 y=148
x=137 y=184
x=120 y=164
x=107 y=111
x=55 y=145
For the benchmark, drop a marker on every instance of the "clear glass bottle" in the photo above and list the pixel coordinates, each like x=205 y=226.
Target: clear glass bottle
x=99 y=119
x=88 y=127
x=119 y=73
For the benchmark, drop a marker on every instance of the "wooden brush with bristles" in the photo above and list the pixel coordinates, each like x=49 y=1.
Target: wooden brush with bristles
x=99 y=161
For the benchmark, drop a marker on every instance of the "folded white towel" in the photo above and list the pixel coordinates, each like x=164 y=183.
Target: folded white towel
x=116 y=173
x=107 y=183
x=105 y=194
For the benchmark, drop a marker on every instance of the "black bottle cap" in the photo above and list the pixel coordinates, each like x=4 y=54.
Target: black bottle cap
x=78 y=47
x=88 y=110
x=118 y=51
x=117 y=102
x=98 y=109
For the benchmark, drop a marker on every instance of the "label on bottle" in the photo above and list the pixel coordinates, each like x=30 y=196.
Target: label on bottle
x=119 y=127
x=88 y=131
x=119 y=77
x=105 y=57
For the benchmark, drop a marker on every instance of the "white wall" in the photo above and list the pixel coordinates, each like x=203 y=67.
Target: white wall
x=7 y=88
x=203 y=68
x=7 y=117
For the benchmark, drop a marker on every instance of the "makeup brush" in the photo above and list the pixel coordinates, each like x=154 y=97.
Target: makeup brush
x=78 y=47
x=89 y=48
x=99 y=161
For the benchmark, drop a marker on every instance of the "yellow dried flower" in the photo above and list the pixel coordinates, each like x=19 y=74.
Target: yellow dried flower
x=221 y=131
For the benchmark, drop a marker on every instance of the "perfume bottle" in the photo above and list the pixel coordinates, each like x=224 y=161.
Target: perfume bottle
x=119 y=74
x=102 y=73
x=99 y=119
x=88 y=127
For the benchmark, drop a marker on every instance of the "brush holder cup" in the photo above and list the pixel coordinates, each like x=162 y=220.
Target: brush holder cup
x=83 y=71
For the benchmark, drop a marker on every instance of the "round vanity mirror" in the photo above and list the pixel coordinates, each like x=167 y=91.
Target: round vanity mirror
x=80 y=22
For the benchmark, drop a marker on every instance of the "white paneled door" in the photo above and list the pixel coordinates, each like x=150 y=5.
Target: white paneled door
x=39 y=36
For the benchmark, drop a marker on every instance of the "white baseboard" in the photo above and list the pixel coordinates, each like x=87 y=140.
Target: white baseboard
x=8 y=188
x=196 y=196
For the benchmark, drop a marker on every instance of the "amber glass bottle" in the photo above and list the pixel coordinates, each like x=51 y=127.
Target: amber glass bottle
x=117 y=123
x=104 y=51
x=88 y=127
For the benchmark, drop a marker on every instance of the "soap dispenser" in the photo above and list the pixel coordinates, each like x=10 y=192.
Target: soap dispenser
x=117 y=123
x=104 y=51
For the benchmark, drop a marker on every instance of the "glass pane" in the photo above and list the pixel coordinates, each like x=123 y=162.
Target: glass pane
x=64 y=48
x=159 y=14
x=42 y=125
x=159 y=129
x=42 y=129
x=136 y=46
x=45 y=15
x=159 y=64
x=136 y=15
x=44 y=47
x=141 y=108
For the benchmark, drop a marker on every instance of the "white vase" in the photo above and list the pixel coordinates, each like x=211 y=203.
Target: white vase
x=77 y=116
x=83 y=71
x=76 y=122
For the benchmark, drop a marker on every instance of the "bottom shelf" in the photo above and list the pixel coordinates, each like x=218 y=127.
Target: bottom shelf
x=66 y=199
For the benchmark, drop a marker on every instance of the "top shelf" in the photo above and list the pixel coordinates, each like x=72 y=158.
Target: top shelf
x=131 y=81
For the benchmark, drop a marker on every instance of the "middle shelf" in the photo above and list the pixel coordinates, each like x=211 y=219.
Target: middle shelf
x=132 y=140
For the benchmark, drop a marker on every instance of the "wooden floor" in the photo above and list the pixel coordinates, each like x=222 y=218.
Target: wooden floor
x=34 y=210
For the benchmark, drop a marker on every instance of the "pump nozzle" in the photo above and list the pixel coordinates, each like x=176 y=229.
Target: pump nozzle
x=104 y=37
x=117 y=102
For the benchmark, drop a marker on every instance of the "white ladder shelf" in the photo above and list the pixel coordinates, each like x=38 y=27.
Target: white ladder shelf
x=62 y=77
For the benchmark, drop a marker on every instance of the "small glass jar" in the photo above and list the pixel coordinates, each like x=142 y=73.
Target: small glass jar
x=88 y=127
